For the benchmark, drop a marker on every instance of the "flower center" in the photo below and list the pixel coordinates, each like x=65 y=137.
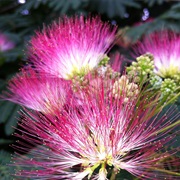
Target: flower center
x=100 y=159
x=169 y=72
x=80 y=72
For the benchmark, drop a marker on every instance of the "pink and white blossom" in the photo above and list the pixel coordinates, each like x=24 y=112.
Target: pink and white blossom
x=71 y=47
x=103 y=132
x=165 y=47
x=5 y=43
x=42 y=93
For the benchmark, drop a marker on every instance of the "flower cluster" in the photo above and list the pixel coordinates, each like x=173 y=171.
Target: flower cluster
x=163 y=67
x=84 y=120
x=165 y=48
x=5 y=43
x=71 y=47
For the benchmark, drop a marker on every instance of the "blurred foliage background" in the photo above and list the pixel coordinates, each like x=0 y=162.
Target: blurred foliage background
x=19 y=19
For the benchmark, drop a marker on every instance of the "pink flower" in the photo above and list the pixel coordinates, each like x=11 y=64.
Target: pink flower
x=103 y=133
x=39 y=92
x=116 y=61
x=165 y=47
x=74 y=46
x=5 y=43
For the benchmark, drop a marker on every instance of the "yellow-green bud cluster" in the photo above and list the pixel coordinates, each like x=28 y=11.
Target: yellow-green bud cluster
x=78 y=72
x=107 y=71
x=79 y=82
x=123 y=88
x=104 y=61
x=172 y=72
x=143 y=67
x=156 y=81
x=176 y=77
x=168 y=87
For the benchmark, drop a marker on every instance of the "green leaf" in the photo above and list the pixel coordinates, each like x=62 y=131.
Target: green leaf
x=5 y=141
x=2 y=84
x=64 y=6
x=173 y=13
x=5 y=110
x=113 y=8
x=32 y=4
x=169 y=20
x=137 y=32
x=9 y=115
x=12 y=120
x=4 y=157
x=125 y=175
x=153 y=2
x=5 y=170
x=56 y=5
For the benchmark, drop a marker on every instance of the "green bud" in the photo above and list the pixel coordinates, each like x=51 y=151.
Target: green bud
x=172 y=71
x=168 y=88
x=156 y=81
x=145 y=63
x=176 y=77
x=104 y=61
x=124 y=88
x=142 y=68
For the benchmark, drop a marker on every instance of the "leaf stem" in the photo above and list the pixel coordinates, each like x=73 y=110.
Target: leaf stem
x=168 y=127
x=114 y=173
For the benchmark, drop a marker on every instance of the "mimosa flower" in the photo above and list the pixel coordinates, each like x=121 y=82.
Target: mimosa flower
x=72 y=47
x=42 y=93
x=5 y=43
x=103 y=133
x=165 y=47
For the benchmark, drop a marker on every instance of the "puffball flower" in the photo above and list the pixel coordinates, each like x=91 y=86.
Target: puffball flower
x=165 y=47
x=5 y=43
x=72 y=47
x=42 y=93
x=104 y=133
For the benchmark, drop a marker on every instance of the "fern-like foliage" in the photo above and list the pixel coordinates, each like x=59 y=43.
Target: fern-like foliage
x=113 y=8
x=153 y=2
x=6 y=171
x=168 y=20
